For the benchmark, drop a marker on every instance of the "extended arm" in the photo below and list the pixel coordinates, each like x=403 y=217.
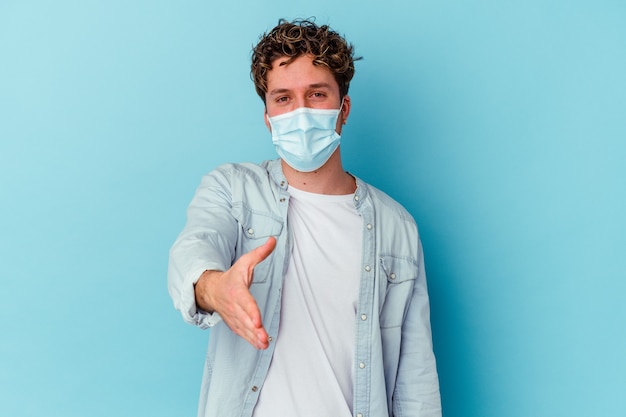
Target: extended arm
x=206 y=247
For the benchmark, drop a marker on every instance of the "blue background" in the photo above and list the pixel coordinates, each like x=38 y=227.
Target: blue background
x=500 y=125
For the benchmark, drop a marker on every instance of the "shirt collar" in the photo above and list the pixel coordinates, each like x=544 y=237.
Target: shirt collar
x=275 y=170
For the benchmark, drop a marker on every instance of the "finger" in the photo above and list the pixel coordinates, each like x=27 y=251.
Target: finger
x=252 y=312
x=252 y=325
x=241 y=324
x=259 y=254
x=262 y=339
x=259 y=335
x=259 y=338
x=256 y=336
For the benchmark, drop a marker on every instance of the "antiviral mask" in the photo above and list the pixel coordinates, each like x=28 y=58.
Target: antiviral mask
x=305 y=138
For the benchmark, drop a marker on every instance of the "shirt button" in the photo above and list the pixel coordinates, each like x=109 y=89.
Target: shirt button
x=359 y=415
x=369 y=226
x=282 y=200
x=368 y=268
x=361 y=365
x=250 y=231
x=254 y=389
x=356 y=198
x=282 y=183
x=269 y=339
x=363 y=317
x=392 y=276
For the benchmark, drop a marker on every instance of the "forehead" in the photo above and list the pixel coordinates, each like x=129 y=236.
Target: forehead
x=298 y=73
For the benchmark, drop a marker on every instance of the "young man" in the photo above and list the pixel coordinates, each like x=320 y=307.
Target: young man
x=312 y=281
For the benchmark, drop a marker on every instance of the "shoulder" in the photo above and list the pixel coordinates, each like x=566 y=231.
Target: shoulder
x=246 y=172
x=240 y=169
x=386 y=205
x=397 y=232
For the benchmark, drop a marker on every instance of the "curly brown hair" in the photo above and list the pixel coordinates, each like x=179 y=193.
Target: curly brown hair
x=303 y=37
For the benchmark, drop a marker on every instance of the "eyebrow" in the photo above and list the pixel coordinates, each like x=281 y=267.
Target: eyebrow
x=311 y=87
x=320 y=85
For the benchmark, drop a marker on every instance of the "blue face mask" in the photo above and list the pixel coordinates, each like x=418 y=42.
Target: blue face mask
x=305 y=138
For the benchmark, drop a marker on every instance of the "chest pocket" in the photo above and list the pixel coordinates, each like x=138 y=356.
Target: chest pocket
x=256 y=227
x=400 y=274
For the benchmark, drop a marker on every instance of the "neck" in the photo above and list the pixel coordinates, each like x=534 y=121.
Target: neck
x=330 y=178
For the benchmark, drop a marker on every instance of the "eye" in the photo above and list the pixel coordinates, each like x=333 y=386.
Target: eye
x=318 y=94
x=282 y=99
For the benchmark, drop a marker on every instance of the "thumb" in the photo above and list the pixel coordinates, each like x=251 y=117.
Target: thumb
x=259 y=254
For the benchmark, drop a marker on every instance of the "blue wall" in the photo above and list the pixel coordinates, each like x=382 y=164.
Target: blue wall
x=500 y=125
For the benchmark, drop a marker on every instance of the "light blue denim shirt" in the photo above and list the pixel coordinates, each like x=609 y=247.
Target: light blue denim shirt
x=235 y=209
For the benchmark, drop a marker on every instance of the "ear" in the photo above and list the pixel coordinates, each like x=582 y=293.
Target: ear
x=343 y=114
x=345 y=109
x=267 y=120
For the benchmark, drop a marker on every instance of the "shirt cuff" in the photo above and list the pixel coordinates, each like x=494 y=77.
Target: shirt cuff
x=205 y=320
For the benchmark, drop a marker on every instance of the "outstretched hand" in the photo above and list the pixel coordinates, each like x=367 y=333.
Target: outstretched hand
x=228 y=294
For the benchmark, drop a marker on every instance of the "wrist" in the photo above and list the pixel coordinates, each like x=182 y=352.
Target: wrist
x=202 y=290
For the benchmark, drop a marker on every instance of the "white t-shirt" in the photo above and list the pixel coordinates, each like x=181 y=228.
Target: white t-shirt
x=311 y=373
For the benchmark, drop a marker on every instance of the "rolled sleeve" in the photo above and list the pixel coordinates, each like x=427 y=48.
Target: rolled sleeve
x=207 y=242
